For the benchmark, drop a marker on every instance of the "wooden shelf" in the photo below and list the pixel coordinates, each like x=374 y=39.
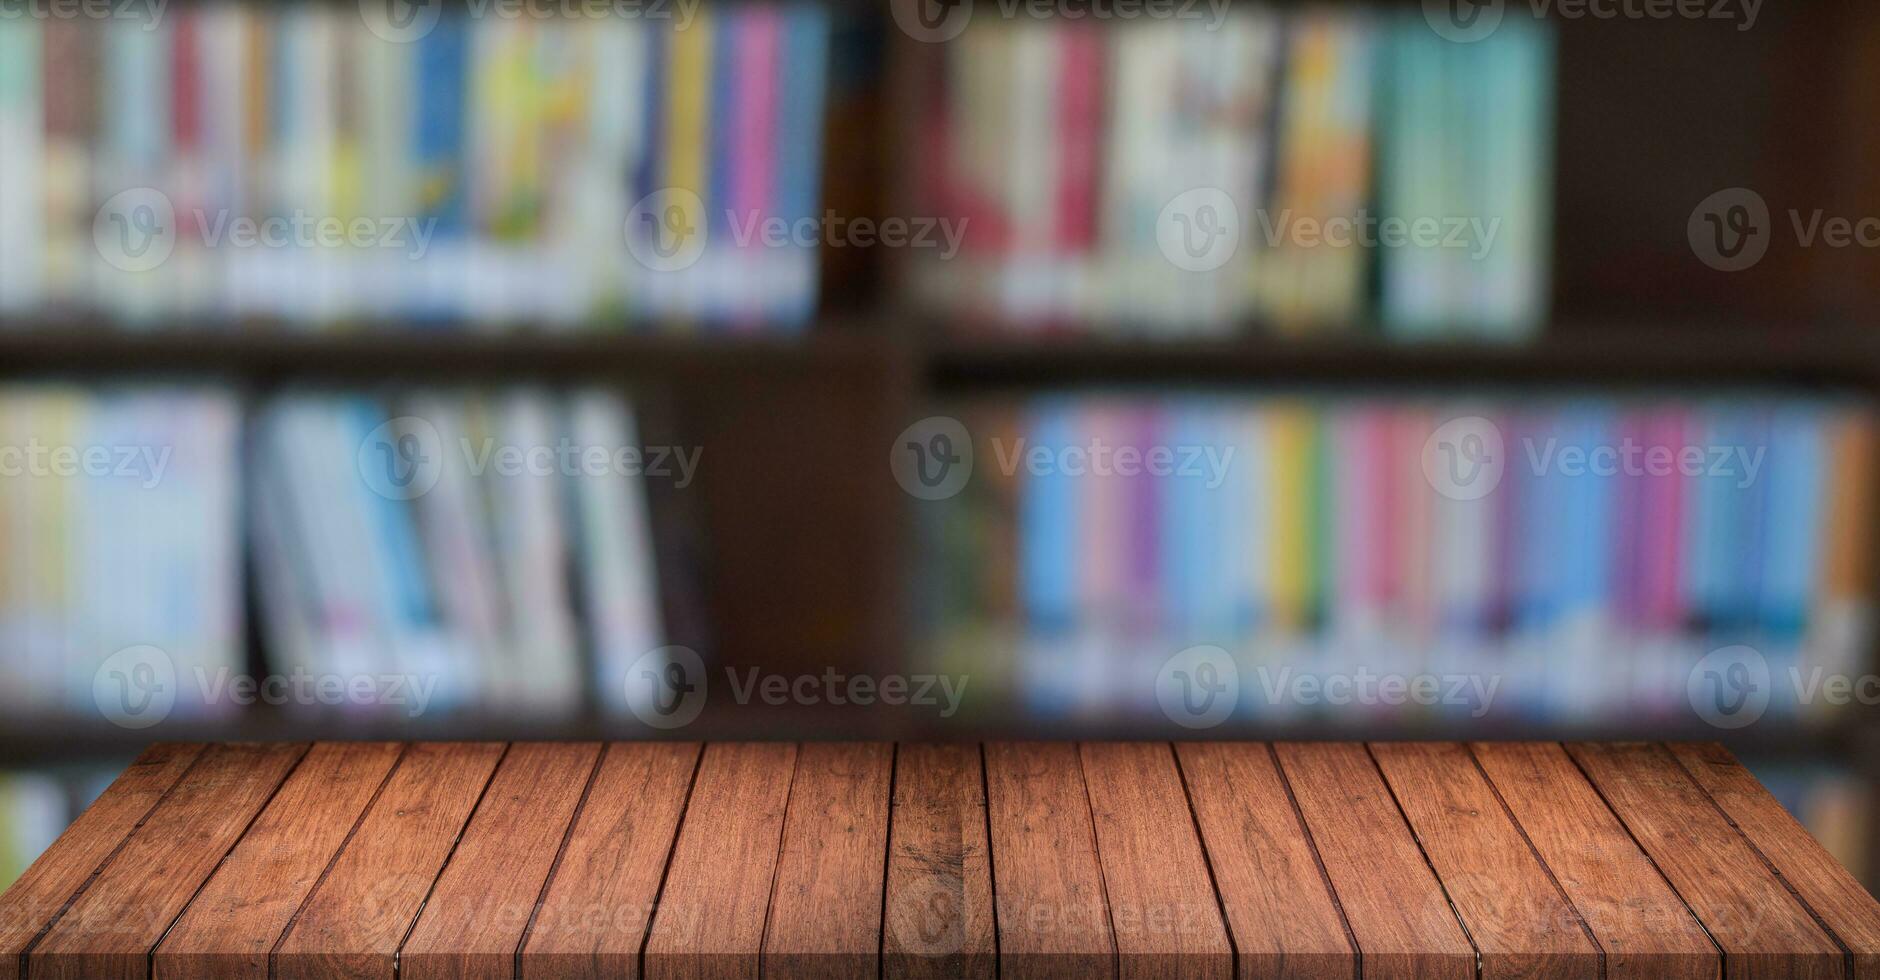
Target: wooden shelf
x=948 y=360
x=268 y=352
x=869 y=858
x=1604 y=356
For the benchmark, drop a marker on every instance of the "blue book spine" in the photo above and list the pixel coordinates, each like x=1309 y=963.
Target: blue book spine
x=440 y=65
x=1588 y=544
x=1794 y=472
x=1750 y=505
x=650 y=175
x=799 y=152
x=393 y=536
x=726 y=32
x=1186 y=561
x=1048 y=526
x=1708 y=548
x=1538 y=503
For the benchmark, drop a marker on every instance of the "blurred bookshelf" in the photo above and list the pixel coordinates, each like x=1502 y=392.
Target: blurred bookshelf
x=796 y=552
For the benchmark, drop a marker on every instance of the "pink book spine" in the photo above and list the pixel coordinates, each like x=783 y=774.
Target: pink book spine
x=1379 y=490
x=1415 y=519
x=1357 y=523
x=1080 y=112
x=1628 y=554
x=1387 y=487
x=1663 y=540
x=1101 y=578
x=755 y=103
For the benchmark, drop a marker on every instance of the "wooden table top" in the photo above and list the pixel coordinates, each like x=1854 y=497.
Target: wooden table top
x=865 y=859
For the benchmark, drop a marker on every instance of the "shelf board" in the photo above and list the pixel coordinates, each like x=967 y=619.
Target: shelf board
x=1565 y=356
x=269 y=353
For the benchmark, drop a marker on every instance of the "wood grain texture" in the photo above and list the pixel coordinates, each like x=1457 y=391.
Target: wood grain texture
x=1763 y=930
x=1166 y=916
x=938 y=906
x=710 y=920
x=1278 y=903
x=232 y=926
x=110 y=930
x=594 y=917
x=28 y=908
x=1398 y=913
x=1641 y=924
x=362 y=909
x=1514 y=912
x=837 y=860
x=1849 y=912
x=1053 y=917
x=475 y=919
x=825 y=908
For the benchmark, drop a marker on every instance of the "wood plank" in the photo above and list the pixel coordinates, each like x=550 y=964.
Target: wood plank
x=232 y=926
x=939 y=894
x=594 y=916
x=1398 y=913
x=111 y=929
x=1279 y=905
x=1514 y=913
x=366 y=903
x=1166 y=916
x=710 y=919
x=1640 y=923
x=1047 y=883
x=1838 y=901
x=825 y=909
x=28 y=908
x=473 y=923
x=1763 y=930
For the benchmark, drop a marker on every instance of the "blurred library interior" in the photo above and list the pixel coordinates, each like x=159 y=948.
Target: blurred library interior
x=489 y=369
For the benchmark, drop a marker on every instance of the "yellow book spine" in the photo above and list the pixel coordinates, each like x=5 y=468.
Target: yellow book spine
x=687 y=124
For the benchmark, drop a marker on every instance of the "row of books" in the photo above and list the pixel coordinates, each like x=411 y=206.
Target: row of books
x=453 y=540
x=287 y=162
x=455 y=550
x=1306 y=169
x=119 y=513
x=1563 y=561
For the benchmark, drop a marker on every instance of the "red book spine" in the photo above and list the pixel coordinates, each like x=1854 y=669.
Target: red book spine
x=1080 y=124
